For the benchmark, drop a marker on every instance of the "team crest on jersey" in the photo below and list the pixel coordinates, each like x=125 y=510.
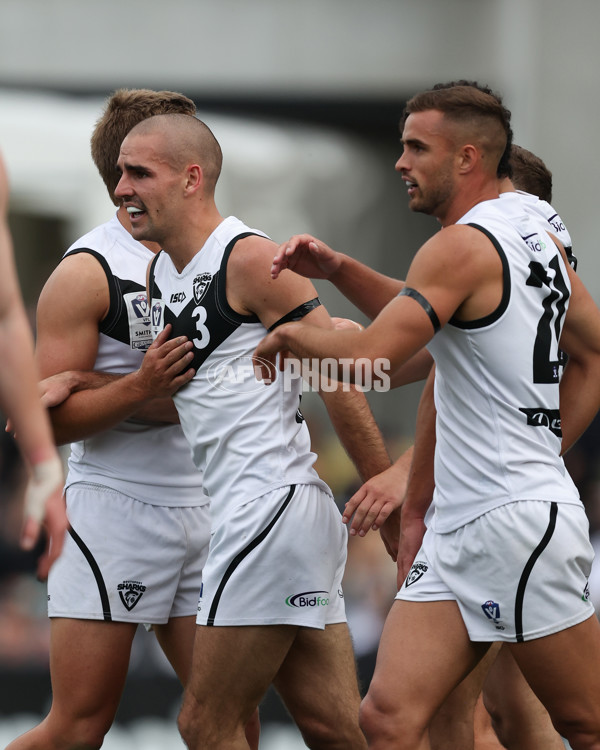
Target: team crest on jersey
x=157 y=314
x=416 y=572
x=140 y=306
x=491 y=610
x=200 y=285
x=130 y=593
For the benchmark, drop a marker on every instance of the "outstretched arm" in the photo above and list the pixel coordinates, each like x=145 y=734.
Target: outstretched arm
x=369 y=290
x=20 y=402
x=250 y=289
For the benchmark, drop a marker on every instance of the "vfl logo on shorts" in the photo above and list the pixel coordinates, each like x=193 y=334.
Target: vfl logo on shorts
x=416 y=572
x=130 y=593
x=308 y=599
x=491 y=610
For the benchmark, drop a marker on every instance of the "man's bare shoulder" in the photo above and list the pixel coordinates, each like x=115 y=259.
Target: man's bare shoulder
x=78 y=283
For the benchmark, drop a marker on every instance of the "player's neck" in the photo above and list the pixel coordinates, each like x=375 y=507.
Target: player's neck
x=465 y=200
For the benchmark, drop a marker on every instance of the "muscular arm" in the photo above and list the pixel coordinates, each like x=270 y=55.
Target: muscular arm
x=456 y=271
x=580 y=384
x=57 y=388
x=369 y=290
x=71 y=306
x=420 y=485
x=251 y=290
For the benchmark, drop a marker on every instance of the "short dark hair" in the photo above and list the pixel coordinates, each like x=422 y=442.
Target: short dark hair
x=123 y=110
x=530 y=174
x=465 y=101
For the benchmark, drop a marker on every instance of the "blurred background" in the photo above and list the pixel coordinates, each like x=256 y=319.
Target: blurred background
x=305 y=98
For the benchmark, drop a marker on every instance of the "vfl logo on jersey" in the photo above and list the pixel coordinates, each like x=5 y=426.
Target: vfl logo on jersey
x=491 y=610
x=157 y=315
x=416 y=572
x=140 y=306
x=130 y=593
x=138 y=319
x=539 y=417
x=200 y=285
x=308 y=599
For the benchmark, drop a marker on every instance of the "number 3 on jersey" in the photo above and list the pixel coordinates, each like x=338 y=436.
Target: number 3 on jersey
x=546 y=369
x=200 y=314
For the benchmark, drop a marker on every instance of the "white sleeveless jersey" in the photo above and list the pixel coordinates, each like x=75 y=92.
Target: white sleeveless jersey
x=497 y=378
x=556 y=226
x=149 y=463
x=249 y=438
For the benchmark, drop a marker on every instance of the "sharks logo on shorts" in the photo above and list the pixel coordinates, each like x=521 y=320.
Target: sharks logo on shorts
x=416 y=572
x=130 y=593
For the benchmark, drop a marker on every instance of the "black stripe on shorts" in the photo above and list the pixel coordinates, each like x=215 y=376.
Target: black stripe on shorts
x=244 y=553
x=527 y=571
x=97 y=574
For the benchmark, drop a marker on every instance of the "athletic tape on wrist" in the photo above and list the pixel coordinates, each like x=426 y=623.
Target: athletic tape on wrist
x=46 y=477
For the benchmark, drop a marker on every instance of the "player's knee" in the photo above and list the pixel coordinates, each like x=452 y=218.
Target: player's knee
x=382 y=721
x=326 y=735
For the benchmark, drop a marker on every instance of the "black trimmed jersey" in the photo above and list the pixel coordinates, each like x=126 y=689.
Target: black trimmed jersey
x=246 y=436
x=543 y=210
x=149 y=463
x=497 y=380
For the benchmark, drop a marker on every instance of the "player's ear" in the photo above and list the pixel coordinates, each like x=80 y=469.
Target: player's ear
x=468 y=157
x=194 y=178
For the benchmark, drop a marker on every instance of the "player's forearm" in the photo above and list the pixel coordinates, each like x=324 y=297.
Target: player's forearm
x=579 y=399
x=420 y=485
x=357 y=430
x=98 y=402
x=18 y=389
x=369 y=290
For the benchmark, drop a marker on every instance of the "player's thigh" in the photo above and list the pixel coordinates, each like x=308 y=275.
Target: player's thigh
x=518 y=716
x=453 y=724
x=318 y=676
x=564 y=671
x=424 y=653
x=232 y=667
x=88 y=664
x=176 y=638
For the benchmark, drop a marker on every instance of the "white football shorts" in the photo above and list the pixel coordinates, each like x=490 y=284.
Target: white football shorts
x=128 y=561
x=278 y=560
x=517 y=573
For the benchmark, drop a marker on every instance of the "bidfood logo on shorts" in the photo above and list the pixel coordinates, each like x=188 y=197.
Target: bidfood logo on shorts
x=308 y=599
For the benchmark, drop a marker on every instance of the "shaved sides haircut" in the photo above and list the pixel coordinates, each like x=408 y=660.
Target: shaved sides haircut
x=123 y=111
